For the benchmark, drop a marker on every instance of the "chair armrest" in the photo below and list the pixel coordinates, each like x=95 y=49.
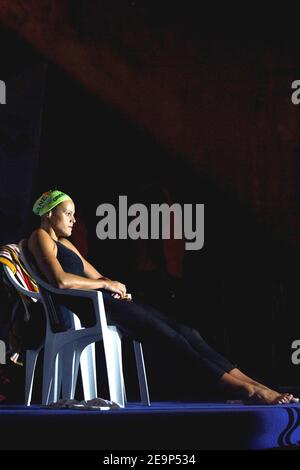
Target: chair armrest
x=93 y=296
x=88 y=293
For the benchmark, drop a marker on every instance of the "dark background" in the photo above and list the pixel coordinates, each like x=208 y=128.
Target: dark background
x=130 y=100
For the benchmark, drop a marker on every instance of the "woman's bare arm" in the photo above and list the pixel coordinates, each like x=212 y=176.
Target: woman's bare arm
x=44 y=250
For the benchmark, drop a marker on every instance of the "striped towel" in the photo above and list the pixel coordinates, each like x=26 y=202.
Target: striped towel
x=10 y=256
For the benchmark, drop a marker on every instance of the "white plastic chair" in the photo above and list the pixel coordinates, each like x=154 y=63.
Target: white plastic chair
x=73 y=342
x=86 y=361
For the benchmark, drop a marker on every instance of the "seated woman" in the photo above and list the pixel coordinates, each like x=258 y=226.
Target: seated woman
x=63 y=266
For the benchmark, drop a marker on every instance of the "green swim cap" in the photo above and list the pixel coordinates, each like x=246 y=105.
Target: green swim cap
x=48 y=201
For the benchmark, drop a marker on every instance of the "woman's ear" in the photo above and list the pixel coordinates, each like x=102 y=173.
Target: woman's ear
x=49 y=215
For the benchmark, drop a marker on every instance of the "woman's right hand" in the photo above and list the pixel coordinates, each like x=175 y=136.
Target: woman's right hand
x=116 y=287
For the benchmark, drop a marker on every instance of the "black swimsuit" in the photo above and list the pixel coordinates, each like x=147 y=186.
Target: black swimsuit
x=144 y=323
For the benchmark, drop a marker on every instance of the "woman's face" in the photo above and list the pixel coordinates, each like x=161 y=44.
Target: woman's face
x=62 y=218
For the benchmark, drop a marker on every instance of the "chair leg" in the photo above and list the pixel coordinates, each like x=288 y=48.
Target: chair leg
x=113 y=356
x=88 y=372
x=87 y=367
x=50 y=375
x=56 y=382
x=31 y=358
x=68 y=372
x=140 y=364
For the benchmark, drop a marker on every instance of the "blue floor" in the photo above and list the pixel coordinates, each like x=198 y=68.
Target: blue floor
x=163 y=425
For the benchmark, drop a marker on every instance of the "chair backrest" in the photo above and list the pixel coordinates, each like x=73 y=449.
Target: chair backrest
x=16 y=272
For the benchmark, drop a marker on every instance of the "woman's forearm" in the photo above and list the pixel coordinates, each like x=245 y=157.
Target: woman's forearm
x=72 y=281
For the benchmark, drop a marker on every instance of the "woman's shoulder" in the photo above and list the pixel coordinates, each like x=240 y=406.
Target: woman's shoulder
x=39 y=234
x=40 y=238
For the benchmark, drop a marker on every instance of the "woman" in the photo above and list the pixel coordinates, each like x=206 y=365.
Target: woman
x=63 y=266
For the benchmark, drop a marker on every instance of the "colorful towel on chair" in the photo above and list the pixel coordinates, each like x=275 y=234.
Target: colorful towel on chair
x=10 y=256
x=16 y=307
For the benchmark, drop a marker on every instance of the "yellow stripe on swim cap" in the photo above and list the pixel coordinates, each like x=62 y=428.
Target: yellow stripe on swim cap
x=48 y=201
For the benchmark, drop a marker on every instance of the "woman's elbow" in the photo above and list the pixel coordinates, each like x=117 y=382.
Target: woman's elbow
x=64 y=283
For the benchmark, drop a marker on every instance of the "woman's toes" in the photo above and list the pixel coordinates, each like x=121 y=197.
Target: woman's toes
x=287 y=398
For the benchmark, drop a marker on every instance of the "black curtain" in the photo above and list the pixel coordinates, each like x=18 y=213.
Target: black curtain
x=20 y=126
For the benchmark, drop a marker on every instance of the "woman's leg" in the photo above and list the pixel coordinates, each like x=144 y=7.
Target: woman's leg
x=143 y=322
x=233 y=377
x=238 y=374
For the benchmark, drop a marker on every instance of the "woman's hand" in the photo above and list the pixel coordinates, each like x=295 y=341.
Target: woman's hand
x=116 y=287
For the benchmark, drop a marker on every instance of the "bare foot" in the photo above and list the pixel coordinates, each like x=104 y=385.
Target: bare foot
x=265 y=393
x=253 y=392
x=266 y=396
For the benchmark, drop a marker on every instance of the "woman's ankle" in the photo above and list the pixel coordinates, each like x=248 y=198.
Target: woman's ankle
x=240 y=388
